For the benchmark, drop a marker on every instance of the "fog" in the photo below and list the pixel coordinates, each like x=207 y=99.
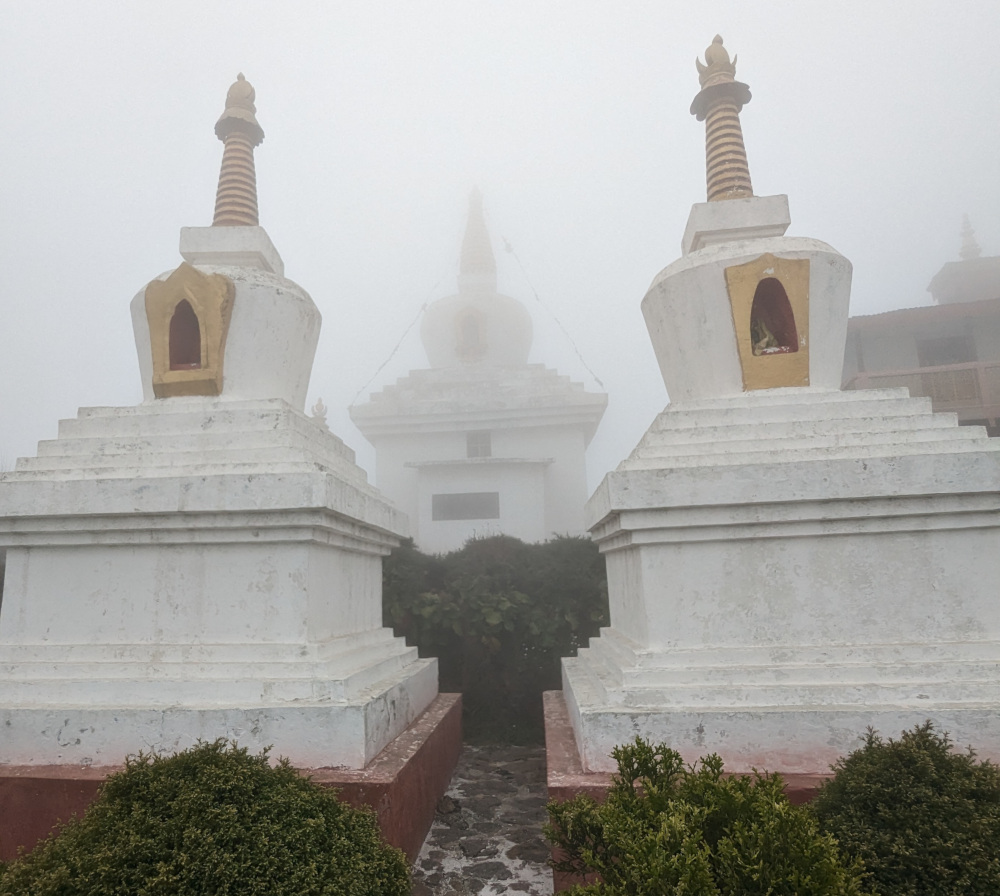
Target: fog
x=879 y=120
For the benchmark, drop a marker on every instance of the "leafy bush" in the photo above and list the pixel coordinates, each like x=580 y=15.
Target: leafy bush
x=690 y=831
x=212 y=820
x=923 y=818
x=499 y=615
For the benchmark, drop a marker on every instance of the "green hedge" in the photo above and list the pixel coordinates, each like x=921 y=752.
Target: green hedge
x=669 y=828
x=212 y=820
x=499 y=615
x=923 y=818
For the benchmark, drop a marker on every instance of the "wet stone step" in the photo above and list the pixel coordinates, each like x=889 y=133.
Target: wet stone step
x=487 y=832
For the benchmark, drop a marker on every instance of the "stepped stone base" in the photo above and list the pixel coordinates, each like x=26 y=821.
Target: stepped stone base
x=567 y=777
x=787 y=568
x=347 y=733
x=193 y=568
x=402 y=785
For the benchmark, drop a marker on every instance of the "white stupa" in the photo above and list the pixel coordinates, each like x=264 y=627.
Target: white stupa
x=208 y=563
x=483 y=442
x=787 y=563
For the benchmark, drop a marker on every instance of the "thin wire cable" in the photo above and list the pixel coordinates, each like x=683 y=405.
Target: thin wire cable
x=510 y=249
x=402 y=339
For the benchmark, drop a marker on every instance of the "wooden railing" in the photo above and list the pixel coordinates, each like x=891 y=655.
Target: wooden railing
x=971 y=390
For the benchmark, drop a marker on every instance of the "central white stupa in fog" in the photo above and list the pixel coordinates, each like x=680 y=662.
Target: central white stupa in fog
x=482 y=442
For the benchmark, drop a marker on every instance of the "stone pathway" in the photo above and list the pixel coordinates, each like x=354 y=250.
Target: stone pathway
x=487 y=833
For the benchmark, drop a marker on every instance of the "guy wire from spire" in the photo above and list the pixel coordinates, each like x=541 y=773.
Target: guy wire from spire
x=510 y=249
x=431 y=292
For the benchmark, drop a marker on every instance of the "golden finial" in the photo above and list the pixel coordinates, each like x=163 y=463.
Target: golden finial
x=718 y=104
x=718 y=69
x=240 y=112
x=236 y=199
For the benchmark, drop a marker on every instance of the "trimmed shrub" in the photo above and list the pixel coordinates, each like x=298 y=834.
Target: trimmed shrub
x=499 y=615
x=923 y=818
x=690 y=831
x=212 y=820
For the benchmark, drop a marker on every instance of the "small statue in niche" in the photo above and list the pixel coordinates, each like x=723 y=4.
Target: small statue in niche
x=772 y=324
x=761 y=337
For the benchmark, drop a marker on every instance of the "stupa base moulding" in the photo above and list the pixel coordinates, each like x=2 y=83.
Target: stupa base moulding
x=201 y=568
x=401 y=785
x=567 y=778
x=787 y=568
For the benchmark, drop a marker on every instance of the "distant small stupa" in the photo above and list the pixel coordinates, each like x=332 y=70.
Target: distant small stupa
x=482 y=442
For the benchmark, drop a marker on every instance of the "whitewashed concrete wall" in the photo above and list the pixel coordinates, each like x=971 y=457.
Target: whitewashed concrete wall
x=539 y=499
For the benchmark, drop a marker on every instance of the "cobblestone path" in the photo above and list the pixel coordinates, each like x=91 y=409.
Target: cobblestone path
x=487 y=833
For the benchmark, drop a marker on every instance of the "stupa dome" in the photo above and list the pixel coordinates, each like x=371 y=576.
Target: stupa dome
x=478 y=325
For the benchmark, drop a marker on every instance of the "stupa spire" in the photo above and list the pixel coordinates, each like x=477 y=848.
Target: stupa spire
x=236 y=199
x=477 y=267
x=718 y=105
x=970 y=245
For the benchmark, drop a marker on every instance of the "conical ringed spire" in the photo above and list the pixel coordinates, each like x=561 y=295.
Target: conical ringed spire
x=718 y=105
x=970 y=246
x=236 y=199
x=477 y=269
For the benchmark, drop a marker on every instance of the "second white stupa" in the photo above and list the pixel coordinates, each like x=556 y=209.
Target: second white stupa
x=788 y=563
x=207 y=563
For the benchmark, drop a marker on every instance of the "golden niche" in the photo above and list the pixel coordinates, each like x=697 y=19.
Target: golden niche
x=188 y=315
x=769 y=299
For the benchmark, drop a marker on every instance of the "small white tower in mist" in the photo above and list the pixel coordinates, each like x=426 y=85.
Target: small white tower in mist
x=482 y=442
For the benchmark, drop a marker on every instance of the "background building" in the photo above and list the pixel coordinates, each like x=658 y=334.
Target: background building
x=482 y=442
x=949 y=351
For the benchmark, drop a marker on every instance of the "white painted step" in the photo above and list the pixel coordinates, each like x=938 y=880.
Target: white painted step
x=775 y=456
x=666 y=448
x=789 y=412
x=784 y=429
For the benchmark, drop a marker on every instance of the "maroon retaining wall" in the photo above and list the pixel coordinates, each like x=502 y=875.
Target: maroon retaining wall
x=402 y=784
x=35 y=799
x=565 y=776
x=405 y=781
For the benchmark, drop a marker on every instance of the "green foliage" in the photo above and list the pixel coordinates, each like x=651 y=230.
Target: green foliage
x=212 y=820
x=688 y=830
x=499 y=615
x=923 y=818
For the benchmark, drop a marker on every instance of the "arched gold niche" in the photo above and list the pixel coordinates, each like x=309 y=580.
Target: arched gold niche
x=188 y=316
x=185 y=338
x=769 y=298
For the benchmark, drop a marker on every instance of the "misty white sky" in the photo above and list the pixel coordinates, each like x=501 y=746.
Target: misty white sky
x=878 y=119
